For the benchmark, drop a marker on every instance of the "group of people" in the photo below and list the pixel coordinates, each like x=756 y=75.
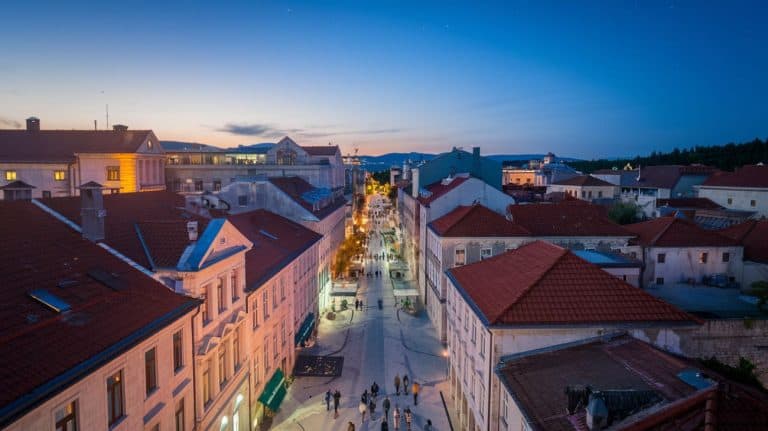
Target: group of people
x=374 y=274
x=415 y=388
x=336 y=396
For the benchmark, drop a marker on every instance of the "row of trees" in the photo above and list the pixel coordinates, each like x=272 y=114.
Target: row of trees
x=726 y=157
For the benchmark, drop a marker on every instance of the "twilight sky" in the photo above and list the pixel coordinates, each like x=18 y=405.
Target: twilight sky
x=580 y=78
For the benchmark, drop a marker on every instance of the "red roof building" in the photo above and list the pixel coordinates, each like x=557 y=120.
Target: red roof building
x=753 y=235
x=541 y=283
x=440 y=188
x=70 y=307
x=676 y=232
x=745 y=189
x=583 y=181
x=476 y=221
x=566 y=219
x=751 y=176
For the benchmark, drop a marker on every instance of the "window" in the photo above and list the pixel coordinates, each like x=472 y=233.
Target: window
x=115 y=405
x=10 y=175
x=661 y=258
x=113 y=173
x=703 y=257
x=180 y=415
x=266 y=355
x=730 y=201
x=198 y=185
x=220 y=295
x=59 y=175
x=282 y=289
x=222 y=365
x=46 y=194
x=216 y=185
x=155 y=427
x=286 y=157
x=590 y=194
x=274 y=296
x=485 y=253
x=659 y=280
x=236 y=348
x=599 y=194
x=753 y=203
x=282 y=333
x=274 y=345
x=482 y=344
x=255 y=314
x=205 y=312
x=150 y=370
x=256 y=371
x=726 y=257
x=265 y=309
x=66 y=417
x=504 y=411
x=235 y=288
x=474 y=332
x=583 y=194
x=242 y=200
x=460 y=257
x=178 y=351
x=207 y=382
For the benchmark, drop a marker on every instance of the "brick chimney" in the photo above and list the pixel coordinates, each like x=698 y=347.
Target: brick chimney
x=92 y=211
x=33 y=124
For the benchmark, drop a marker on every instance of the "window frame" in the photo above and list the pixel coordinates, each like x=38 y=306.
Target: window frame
x=113 y=173
x=456 y=252
x=69 y=420
x=59 y=175
x=11 y=175
x=661 y=258
x=151 y=381
x=178 y=351
x=115 y=398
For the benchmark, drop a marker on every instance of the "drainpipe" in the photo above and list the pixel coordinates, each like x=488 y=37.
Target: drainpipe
x=491 y=353
x=194 y=370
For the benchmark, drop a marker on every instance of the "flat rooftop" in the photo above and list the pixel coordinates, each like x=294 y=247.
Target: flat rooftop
x=709 y=302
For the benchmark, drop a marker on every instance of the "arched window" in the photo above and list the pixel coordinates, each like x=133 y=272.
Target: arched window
x=286 y=157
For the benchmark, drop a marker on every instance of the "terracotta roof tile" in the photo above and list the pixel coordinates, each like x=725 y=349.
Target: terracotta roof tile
x=38 y=344
x=584 y=181
x=276 y=242
x=699 y=203
x=62 y=145
x=664 y=176
x=566 y=218
x=747 y=176
x=438 y=189
x=753 y=235
x=541 y=283
x=475 y=221
x=676 y=232
x=160 y=217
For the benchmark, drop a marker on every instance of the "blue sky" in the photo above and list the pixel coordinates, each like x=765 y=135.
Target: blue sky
x=582 y=79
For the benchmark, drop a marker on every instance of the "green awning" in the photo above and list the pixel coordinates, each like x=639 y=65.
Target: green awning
x=305 y=329
x=274 y=391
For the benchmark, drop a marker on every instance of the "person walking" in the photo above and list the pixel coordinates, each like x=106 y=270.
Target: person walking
x=375 y=389
x=362 y=407
x=397 y=384
x=336 y=399
x=364 y=398
x=386 y=405
x=384 y=425
x=415 y=390
x=428 y=426
x=328 y=397
x=396 y=417
x=372 y=406
x=408 y=418
x=405 y=384
x=351 y=427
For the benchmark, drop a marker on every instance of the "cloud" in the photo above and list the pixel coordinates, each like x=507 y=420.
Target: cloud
x=262 y=130
x=8 y=122
x=269 y=131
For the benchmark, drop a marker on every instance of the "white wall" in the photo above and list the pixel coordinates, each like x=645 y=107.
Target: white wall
x=741 y=198
x=683 y=263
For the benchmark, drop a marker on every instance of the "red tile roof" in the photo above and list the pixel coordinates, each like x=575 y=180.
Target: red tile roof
x=160 y=217
x=438 y=189
x=321 y=150
x=702 y=203
x=62 y=145
x=566 y=218
x=475 y=221
x=276 y=242
x=538 y=381
x=38 y=344
x=664 y=176
x=584 y=181
x=747 y=176
x=753 y=235
x=676 y=232
x=541 y=283
x=296 y=187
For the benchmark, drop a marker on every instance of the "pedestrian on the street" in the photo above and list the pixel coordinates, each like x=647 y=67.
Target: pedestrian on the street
x=362 y=407
x=372 y=406
x=428 y=427
x=396 y=417
x=416 y=388
x=336 y=399
x=375 y=389
x=364 y=398
x=397 y=384
x=405 y=384
x=384 y=425
x=328 y=397
x=386 y=405
x=351 y=427
x=408 y=418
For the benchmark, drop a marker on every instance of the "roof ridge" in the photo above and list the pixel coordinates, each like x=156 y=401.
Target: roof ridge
x=529 y=288
x=663 y=231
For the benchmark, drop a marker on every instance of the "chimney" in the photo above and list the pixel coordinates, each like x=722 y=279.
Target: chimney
x=476 y=162
x=33 y=124
x=415 y=182
x=120 y=128
x=597 y=413
x=192 y=230
x=92 y=211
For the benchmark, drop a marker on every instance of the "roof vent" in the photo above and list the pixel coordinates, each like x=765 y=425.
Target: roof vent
x=597 y=413
x=192 y=230
x=120 y=128
x=109 y=279
x=33 y=124
x=67 y=282
x=49 y=300
x=267 y=234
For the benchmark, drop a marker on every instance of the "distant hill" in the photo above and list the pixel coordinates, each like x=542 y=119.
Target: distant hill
x=727 y=157
x=385 y=161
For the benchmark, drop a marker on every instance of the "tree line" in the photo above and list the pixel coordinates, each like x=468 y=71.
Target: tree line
x=725 y=157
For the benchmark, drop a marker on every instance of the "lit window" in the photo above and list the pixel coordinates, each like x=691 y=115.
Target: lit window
x=66 y=417
x=460 y=257
x=150 y=370
x=115 y=405
x=10 y=175
x=59 y=175
x=113 y=173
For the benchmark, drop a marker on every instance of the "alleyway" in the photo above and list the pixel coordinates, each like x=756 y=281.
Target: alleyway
x=376 y=345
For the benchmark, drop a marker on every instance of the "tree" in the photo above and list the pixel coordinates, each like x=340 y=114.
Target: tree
x=623 y=212
x=760 y=290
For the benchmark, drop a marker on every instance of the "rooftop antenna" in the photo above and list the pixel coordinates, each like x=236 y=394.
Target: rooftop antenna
x=107 y=116
x=95 y=125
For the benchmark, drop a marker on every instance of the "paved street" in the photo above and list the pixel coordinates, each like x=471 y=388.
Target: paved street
x=376 y=345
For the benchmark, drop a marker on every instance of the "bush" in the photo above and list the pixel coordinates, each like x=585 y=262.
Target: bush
x=744 y=372
x=760 y=290
x=623 y=212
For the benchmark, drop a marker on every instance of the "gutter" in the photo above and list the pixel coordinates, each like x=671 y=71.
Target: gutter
x=44 y=392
